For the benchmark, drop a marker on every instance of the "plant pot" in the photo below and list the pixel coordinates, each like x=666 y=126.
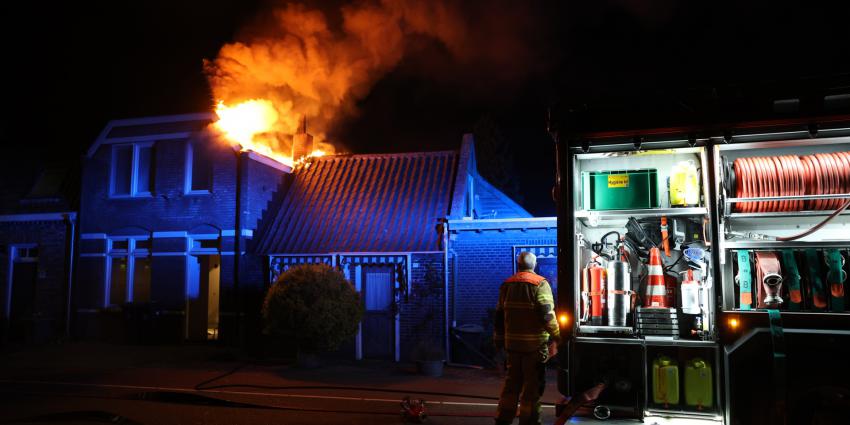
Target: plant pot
x=307 y=360
x=430 y=367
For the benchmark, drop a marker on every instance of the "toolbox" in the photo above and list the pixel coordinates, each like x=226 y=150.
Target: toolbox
x=620 y=189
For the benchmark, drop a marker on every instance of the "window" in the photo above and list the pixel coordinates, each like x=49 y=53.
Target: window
x=198 y=171
x=129 y=274
x=132 y=166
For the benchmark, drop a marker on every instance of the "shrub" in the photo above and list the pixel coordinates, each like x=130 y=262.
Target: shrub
x=315 y=306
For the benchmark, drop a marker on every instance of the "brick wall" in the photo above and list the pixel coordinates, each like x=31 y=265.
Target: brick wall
x=421 y=315
x=484 y=259
x=171 y=209
x=50 y=290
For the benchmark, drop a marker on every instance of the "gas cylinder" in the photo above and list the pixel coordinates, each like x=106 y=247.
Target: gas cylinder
x=684 y=184
x=619 y=292
x=690 y=294
x=597 y=288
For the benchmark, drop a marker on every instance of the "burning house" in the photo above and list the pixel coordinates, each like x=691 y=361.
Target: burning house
x=180 y=235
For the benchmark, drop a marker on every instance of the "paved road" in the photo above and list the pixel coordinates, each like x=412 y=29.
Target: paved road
x=143 y=385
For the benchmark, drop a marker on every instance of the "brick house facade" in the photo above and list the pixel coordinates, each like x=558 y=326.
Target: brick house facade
x=180 y=235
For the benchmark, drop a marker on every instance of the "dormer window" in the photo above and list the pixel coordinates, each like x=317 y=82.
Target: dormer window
x=131 y=174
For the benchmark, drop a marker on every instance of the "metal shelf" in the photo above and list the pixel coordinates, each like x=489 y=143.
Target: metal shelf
x=680 y=343
x=765 y=244
x=784 y=214
x=683 y=413
x=603 y=218
x=608 y=340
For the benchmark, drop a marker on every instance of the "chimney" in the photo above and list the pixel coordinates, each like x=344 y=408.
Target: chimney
x=302 y=143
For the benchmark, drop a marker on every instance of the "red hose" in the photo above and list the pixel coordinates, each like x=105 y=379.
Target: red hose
x=791 y=175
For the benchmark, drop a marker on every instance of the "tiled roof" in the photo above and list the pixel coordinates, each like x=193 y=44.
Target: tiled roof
x=363 y=203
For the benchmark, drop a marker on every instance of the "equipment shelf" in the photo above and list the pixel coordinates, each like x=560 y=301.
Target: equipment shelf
x=617 y=218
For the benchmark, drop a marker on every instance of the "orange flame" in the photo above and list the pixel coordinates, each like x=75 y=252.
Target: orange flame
x=248 y=124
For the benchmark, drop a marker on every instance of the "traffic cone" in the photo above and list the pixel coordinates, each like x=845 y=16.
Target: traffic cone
x=656 y=289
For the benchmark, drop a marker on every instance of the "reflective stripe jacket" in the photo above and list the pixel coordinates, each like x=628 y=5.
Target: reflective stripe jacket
x=525 y=314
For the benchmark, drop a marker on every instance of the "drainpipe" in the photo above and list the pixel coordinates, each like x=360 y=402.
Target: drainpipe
x=237 y=246
x=71 y=235
x=445 y=241
x=454 y=287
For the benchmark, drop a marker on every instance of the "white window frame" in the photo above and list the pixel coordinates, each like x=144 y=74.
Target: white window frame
x=130 y=254
x=187 y=180
x=204 y=237
x=14 y=257
x=134 y=171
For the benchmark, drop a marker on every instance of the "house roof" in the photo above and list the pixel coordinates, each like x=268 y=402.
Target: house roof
x=363 y=203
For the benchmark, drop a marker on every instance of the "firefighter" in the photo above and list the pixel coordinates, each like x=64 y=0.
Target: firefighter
x=525 y=327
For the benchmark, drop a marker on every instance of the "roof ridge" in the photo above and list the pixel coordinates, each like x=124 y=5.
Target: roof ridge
x=384 y=155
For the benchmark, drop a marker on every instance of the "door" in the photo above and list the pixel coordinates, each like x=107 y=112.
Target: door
x=202 y=306
x=548 y=268
x=379 y=317
x=22 y=306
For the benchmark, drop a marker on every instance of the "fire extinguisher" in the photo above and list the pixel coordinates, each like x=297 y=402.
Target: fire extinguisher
x=596 y=275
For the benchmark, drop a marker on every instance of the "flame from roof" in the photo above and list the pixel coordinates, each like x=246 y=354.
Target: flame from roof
x=248 y=124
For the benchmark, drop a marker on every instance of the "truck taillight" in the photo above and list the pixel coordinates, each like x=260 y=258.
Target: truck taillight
x=563 y=319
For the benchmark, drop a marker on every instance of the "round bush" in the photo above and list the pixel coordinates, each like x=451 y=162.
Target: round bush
x=315 y=306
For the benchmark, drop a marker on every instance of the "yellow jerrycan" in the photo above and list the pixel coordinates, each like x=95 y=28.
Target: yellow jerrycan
x=699 y=390
x=665 y=381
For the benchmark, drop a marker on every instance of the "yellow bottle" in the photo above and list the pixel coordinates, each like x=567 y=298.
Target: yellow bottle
x=684 y=185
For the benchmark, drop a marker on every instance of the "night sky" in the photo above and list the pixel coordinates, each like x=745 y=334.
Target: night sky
x=68 y=69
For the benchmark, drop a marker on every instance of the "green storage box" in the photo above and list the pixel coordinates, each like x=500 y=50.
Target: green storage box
x=619 y=190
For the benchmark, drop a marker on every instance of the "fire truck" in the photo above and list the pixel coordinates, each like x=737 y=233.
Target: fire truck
x=703 y=271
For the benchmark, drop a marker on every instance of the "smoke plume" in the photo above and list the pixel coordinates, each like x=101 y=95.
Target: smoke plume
x=320 y=62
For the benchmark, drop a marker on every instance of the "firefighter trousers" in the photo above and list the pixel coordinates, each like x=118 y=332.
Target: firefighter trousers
x=525 y=382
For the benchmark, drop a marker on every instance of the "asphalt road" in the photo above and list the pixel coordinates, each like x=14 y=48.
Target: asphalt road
x=51 y=402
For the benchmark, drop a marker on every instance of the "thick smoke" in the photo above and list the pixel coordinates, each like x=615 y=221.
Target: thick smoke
x=319 y=63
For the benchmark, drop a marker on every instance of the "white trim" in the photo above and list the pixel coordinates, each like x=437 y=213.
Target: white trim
x=505 y=220
x=38 y=216
x=103 y=138
x=87 y=236
x=149 y=138
x=134 y=192
x=262 y=159
x=93 y=255
x=188 y=171
x=358 y=286
x=171 y=234
x=248 y=233
x=230 y=252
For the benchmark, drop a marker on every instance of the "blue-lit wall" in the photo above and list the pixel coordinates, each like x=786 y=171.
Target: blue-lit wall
x=484 y=260
x=170 y=209
x=50 y=291
x=421 y=314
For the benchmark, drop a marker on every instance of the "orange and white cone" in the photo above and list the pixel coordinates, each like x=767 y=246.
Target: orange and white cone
x=656 y=289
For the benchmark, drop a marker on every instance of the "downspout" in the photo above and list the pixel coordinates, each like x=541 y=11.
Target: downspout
x=71 y=235
x=445 y=242
x=237 y=246
x=454 y=287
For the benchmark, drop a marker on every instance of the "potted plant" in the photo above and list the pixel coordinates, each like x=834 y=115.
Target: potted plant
x=429 y=357
x=315 y=308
